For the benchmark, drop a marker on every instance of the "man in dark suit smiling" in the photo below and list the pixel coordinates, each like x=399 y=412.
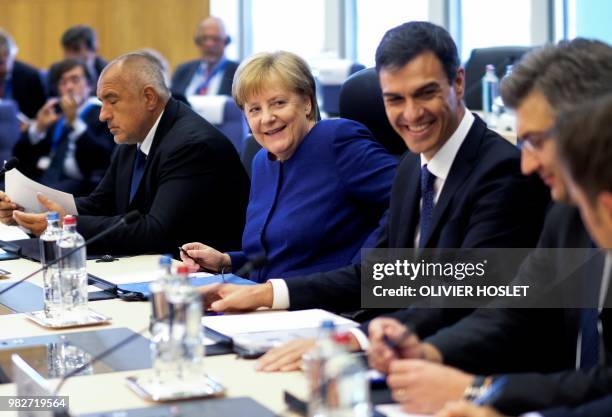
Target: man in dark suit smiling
x=178 y=171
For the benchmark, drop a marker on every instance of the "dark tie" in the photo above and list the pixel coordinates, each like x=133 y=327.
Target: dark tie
x=589 y=345
x=59 y=148
x=137 y=171
x=427 y=206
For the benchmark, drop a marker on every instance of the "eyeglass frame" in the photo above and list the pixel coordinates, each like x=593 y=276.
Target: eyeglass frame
x=534 y=141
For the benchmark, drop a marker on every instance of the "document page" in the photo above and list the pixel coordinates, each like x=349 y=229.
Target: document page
x=8 y=233
x=22 y=191
x=273 y=321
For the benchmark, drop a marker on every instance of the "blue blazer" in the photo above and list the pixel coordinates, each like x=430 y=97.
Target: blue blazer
x=314 y=211
x=485 y=202
x=184 y=73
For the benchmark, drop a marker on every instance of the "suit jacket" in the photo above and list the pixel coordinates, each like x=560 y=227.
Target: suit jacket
x=485 y=202
x=185 y=72
x=93 y=153
x=28 y=88
x=598 y=408
x=193 y=188
x=512 y=340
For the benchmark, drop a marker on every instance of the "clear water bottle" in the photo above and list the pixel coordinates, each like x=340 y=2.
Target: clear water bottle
x=347 y=388
x=72 y=273
x=48 y=252
x=186 y=331
x=161 y=352
x=490 y=84
x=314 y=363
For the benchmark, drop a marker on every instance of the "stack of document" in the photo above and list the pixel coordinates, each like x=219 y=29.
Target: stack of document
x=262 y=330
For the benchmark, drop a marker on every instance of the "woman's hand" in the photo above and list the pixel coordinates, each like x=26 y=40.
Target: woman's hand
x=197 y=256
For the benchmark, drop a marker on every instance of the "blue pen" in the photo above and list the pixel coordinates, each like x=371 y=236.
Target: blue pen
x=493 y=392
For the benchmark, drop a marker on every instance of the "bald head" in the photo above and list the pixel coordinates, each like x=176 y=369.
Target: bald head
x=134 y=93
x=211 y=39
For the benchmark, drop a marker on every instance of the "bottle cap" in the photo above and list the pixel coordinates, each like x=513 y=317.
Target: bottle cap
x=182 y=270
x=69 y=220
x=52 y=216
x=165 y=260
x=328 y=325
x=342 y=338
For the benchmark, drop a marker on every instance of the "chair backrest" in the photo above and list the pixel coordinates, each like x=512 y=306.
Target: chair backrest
x=330 y=79
x=361 y=100
x=499 y=57
x=9 y=128
x=224 y=114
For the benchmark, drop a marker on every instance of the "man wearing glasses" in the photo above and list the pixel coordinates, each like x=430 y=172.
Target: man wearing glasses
x=67 y=147
x=212 y=74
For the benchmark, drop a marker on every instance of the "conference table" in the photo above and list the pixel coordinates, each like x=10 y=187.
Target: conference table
x=108 y=391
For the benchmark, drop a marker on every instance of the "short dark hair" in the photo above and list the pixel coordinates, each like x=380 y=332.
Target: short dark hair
x=567 y=74
x=584 y=139
x=408 y=40
x=78 y=35
x=66 y=65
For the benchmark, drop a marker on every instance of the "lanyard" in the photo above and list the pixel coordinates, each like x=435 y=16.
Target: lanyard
x=216 y=70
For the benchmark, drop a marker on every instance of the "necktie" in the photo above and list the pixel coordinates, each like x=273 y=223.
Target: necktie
x=589 y=345
x=137 y=171
x=427 y=206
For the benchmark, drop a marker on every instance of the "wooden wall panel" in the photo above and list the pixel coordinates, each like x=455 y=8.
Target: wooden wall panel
x=122 y=26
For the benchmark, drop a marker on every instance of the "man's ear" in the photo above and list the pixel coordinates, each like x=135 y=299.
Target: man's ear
x=150 y=96
x=459 y=83
x=604 y=200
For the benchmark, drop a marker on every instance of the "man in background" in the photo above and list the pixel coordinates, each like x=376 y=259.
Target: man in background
x=18 y=81
x=212 y=74
x=67 y=147
x=80 y=42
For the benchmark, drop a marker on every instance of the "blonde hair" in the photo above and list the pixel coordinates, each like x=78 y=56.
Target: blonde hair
x=254 y=74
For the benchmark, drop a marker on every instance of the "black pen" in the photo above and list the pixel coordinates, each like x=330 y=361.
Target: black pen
x=184 y=252
x=395 y=344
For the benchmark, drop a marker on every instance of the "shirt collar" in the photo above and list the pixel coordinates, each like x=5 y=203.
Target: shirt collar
x=441 y=162
x=145 y=145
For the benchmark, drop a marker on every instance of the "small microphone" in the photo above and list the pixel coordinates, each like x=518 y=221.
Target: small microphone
x=8 y=165
x=256 y=262
x=125 y=220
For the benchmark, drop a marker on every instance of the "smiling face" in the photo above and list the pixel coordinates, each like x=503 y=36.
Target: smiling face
x=421 y=104
x=534 y=118
x=278 y=118
x=126 y=108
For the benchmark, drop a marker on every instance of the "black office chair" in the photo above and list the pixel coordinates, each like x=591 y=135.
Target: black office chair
x=361 y=100
x=475 y=68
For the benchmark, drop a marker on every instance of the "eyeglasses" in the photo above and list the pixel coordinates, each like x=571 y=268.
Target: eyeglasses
x=74 y=79
x=199 y=40
x=534 y=141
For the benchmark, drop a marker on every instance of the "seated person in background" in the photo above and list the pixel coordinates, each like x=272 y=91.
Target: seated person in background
x=319 y=188
x=18 y=81
x=67 y=147
x=80 y=42
x=212 y=74
x=179 y=172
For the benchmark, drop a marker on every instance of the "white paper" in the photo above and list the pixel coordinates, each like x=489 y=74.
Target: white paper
x=8 y=233
x=394 y=410
x=22 y=191
x=273 y=321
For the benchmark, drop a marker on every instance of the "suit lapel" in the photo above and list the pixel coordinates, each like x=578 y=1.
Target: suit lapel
x=460 y=170
x=409 y=208
x=124 y=171
x=164 y=126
